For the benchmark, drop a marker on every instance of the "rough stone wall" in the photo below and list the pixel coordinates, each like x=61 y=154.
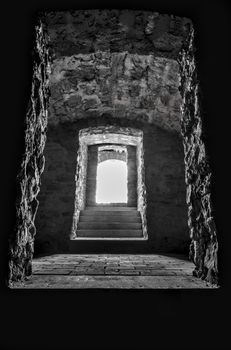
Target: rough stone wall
x=123 y=85
x=80 y=188
x=141 y=32
x=204 y=245
x=28 y=180
x=141 y=189
x=118 y=62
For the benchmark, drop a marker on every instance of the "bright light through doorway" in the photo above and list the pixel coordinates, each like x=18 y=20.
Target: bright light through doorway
x=111 y=185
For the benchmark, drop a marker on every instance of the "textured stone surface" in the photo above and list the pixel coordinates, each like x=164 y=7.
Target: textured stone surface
x=121 y=85
x=198 y=176
x=117 y=62
x=113 y=271
x=28 y=180
x=115 y=31
x=115 y=281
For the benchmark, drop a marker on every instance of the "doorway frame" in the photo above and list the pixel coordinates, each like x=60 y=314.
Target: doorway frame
x=110 y=135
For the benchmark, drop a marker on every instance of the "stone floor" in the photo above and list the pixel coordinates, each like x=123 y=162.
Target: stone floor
x=85 y=271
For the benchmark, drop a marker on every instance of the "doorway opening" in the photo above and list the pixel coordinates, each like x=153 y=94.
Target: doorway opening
x=111 y=182
x=112 y=175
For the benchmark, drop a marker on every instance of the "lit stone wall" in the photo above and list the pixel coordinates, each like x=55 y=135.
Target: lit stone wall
x=122 y=63
x=123 y=85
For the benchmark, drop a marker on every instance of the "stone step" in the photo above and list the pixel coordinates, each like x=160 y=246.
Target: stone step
x=108 y=225
x=107 y=208
x=132 y=213
x=109 y=233
x=109 y=218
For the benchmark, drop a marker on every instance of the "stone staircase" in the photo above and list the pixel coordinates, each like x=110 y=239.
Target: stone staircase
x=109 y=222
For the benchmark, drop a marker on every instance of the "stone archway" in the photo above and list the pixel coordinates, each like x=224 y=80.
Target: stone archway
x=90 y=140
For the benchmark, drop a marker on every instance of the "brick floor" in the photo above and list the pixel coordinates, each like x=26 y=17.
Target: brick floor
x=84 y=271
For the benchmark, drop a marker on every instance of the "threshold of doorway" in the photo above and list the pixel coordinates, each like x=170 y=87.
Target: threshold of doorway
x=109 y=239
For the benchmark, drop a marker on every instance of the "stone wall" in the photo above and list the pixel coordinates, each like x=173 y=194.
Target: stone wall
x=122 y=63
x=57 y=195
x=140 y=32
x=132 y=175
x=204 y=245
x=123 y=85
x=80 y=182
x=165 y=190
x=21 y=240
x=92 y=163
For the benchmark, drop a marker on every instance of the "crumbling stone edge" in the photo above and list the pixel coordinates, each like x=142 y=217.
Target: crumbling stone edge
x=28 y=181
x=198 y=177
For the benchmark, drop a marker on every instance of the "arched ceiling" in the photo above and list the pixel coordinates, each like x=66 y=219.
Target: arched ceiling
x=119 y=63
x=123 y=85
